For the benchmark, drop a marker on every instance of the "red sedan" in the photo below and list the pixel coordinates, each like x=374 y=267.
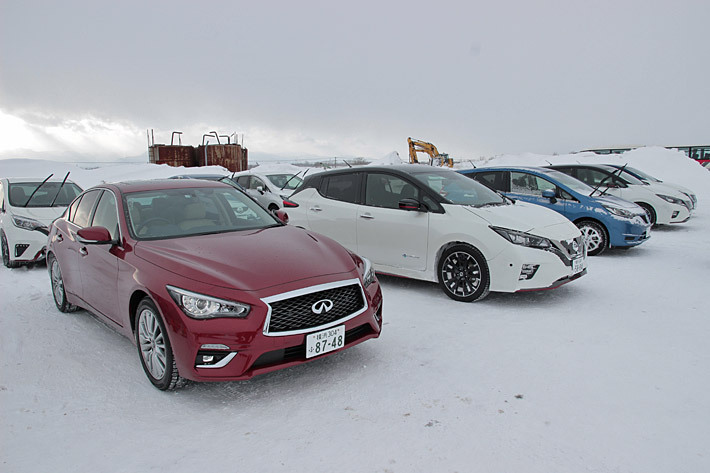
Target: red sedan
x=208 y=284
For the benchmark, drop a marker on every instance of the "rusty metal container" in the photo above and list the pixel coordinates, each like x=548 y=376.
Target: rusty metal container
x=231 y=156
x=172 y=155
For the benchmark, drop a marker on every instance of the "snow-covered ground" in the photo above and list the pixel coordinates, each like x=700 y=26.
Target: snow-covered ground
x=606 y=374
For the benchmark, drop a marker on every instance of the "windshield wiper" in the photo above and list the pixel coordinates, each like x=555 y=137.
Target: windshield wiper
x=35 y=191
x=296 y=175
x=621 y=169
x=59 y=190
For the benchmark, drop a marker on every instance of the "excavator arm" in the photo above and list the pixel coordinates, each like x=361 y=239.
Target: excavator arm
x=435 y=158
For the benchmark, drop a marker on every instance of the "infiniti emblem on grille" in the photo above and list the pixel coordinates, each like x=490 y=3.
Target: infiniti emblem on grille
x=323 y=305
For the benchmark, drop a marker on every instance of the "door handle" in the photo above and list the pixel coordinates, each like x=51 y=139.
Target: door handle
x=316 y=209
x=83 y=251
x=367 y=216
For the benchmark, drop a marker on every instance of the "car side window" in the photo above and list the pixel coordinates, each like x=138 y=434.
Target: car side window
x=2 y=198
x=72 y=208
x=83 y=211
x=343 y=187
x=494 y=180
x=243 y=181
x=256 y=182
x=524 y=183
x=106 y=214
x=386 y=190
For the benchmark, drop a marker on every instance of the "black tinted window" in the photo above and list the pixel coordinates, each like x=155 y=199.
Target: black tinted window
x=384 y=190
x=344 y=187
x=494 y=179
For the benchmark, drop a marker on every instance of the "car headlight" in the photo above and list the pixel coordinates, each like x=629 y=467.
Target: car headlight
x=26 y=223
x=522 y=238
x=672 y=200
x=368 y=273
x=199 y=306
x=618 y=211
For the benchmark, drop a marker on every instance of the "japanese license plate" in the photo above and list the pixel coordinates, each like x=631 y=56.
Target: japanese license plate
x=324 y=341
x=577 y=265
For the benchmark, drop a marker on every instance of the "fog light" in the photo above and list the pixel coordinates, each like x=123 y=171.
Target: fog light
x=212 y=359
x=528 y=271
x=20 y=249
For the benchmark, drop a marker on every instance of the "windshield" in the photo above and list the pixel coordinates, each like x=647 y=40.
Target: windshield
x=171 y=213
x=643 y=175
x=459 y=189
x=630 y=178
x=20 y=192
x=285 y=181
x=569 y=181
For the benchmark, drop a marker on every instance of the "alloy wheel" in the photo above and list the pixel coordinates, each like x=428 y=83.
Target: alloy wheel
x=461 y=274
x=57 y=283
x=152 y=343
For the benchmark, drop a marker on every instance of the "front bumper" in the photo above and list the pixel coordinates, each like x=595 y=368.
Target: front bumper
x=632 y=232
x=553 y=268
x=248 y=350
x=26 y=246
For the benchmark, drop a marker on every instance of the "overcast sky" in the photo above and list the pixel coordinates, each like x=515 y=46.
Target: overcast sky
x=303 y=78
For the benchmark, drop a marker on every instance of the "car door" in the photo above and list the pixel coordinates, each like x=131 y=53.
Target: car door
x=66 y=245
x=386 y=234
x=529 y=187
x=99 y=263
x=332 y=209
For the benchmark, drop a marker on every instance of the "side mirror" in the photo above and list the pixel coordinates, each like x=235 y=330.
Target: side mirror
x=550 y=194
x=410 y=204
x=260 y=189
x=94 y=236
x=282 y=215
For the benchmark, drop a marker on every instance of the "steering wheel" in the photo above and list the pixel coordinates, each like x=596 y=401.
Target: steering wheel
x=152 y=220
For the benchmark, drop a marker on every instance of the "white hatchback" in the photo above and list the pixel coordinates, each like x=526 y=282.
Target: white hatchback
x=437 y=225
x=27 y=207
x=269 y=189
x=663 y=205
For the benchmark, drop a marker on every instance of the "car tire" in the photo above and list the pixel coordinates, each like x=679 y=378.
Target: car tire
x=594 y=236
x=6 y=252
x=154 y=349
x=463 y=274
x=650 y=212
x=59 y=293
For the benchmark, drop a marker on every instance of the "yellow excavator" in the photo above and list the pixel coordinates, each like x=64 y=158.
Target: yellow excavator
x=435 y=158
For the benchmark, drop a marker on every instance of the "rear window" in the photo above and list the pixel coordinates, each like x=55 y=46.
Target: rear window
x=343 y=187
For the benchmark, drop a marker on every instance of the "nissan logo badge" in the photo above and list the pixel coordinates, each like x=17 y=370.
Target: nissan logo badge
x=323 y=305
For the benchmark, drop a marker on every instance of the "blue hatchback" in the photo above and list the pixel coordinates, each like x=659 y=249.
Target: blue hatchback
x=605 y=221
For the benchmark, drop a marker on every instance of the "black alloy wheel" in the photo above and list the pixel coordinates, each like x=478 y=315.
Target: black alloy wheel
x=6 y=253
x=463 y=274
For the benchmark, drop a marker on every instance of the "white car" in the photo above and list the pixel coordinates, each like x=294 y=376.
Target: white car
x=269 y=189
x=663 y=205
x=27 y=207
x=654 y=181
x=437 y=225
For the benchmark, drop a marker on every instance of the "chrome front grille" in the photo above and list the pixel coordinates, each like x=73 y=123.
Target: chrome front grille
x=314 y=308
x=567 y=250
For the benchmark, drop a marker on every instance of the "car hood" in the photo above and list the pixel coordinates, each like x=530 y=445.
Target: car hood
x=46 y=215
x=619 y=202
x=249 y=260
x=664 y=189
x=529 y=218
